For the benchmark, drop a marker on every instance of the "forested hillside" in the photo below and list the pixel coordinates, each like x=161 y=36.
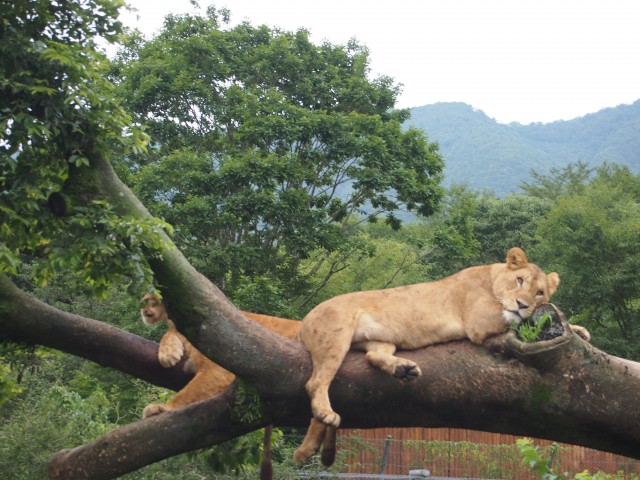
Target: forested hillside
x=486 y=154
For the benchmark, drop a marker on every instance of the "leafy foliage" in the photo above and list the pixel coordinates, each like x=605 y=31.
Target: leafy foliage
x=503 y=223
x=265 y=144
x=57 y=111
x=543 y=467
x=530 y=331
x=593 y=240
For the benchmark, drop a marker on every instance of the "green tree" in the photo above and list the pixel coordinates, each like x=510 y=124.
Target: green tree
x=559 y=182
x=376 y=257
x=57 y=111
x=265 y=143
x=502 y=223
x=593 y=240
x=96 y=227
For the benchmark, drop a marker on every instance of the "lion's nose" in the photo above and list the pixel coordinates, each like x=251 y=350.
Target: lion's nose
x=522 y=305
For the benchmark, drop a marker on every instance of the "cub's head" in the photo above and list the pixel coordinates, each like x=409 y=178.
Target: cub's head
x=152 y=310
x=521 y=286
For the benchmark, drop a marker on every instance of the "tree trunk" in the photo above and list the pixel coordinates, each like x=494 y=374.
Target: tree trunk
x=562 y=389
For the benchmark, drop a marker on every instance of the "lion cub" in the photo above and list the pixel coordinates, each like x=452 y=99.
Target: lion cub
x=210 y=378
x=475 y=303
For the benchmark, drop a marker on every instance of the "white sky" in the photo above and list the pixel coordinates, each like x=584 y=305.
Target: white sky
x=516 y=60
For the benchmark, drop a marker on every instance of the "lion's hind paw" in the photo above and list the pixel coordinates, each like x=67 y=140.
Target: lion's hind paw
x=407 y=371
x=329 y=418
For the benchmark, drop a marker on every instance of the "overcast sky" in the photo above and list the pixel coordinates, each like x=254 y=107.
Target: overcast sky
x=516 y=60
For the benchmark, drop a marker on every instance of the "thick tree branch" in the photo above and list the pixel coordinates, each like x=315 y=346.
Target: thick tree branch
x=198 y=308
x=150 y=440
x=24 y=318
x=563 y=389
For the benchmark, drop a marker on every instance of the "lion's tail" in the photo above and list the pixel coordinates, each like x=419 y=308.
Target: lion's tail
x=329 y=447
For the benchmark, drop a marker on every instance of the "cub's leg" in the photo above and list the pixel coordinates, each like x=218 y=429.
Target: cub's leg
x=312 y=441
x=380 y=355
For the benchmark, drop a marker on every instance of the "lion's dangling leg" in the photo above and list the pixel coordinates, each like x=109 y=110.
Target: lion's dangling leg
x=327 y=337
x=326 y=362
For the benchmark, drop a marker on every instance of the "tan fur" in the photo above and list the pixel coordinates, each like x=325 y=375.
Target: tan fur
x=475 y=303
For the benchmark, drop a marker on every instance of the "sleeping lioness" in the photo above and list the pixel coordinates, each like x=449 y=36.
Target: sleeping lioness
x=475 y=303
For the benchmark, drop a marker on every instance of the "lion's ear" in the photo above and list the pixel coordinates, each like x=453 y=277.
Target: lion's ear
x=516 y=258
x=553 y=280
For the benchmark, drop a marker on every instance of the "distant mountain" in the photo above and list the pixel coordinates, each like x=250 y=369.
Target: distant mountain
x=482 y=153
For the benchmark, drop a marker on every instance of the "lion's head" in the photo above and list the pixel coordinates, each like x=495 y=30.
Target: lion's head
x=152 y=310
x=521 y=286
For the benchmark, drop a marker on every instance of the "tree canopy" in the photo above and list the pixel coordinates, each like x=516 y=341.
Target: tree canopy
x=264 y=144
x=57 y=110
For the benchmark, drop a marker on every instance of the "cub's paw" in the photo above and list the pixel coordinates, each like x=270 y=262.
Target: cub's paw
x=302 y=454
x=329 y=418
x=169 y=358
x=170 y=353
x=406 y=370
x=154 y=409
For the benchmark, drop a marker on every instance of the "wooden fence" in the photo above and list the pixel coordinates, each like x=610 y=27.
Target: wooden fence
x=449 y=452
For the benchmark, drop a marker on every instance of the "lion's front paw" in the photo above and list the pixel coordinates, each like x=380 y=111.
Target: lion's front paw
x=154 y=409
x=407 y=371
x=330 y=418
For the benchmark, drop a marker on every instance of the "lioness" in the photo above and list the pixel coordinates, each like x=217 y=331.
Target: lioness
x=475 y=303
x=210 y=378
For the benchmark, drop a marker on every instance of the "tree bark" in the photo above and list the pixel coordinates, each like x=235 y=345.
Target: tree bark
x=563 y=389
x=150 y=440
